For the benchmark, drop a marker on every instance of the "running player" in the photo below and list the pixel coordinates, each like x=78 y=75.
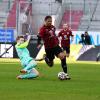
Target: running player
x=51 y=44
x=65 y=35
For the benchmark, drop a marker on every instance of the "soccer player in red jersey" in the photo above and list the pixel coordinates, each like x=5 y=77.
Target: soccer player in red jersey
x=51 y=44
x=65 y=35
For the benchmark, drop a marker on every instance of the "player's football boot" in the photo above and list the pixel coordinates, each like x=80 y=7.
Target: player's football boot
x=48 y=62
x=19 y=77
x=67 y=77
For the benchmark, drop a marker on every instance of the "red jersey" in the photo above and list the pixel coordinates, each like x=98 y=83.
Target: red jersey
x=65 y=37
x=47 y=33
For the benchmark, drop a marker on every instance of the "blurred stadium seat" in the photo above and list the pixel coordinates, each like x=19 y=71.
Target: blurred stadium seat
x=81 y=15
x=76 y=16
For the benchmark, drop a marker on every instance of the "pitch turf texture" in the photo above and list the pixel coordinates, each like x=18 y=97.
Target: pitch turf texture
x=84 y=85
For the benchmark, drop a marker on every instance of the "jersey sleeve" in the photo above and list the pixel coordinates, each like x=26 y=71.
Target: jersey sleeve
x=71 y=33
x=41 y=32
x=59 y=34
x=23 y=45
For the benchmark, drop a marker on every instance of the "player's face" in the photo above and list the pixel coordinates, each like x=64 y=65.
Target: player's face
x=21 y=40
x=65 y=26
x=86 y=34
x=48 y=22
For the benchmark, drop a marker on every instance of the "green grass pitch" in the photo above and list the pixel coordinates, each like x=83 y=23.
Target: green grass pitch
x=84 y=85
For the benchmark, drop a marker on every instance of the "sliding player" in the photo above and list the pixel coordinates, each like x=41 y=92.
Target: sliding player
x=28 y=64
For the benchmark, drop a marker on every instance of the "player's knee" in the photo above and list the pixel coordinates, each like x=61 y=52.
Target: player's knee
x=67 y=55
x=61 y=55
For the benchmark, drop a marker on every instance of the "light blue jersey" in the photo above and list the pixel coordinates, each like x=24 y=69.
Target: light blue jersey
x=23 y=53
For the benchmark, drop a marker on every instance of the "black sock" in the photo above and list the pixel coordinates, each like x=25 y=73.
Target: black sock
x=64 y=65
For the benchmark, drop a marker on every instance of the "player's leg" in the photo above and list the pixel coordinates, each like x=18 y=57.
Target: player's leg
x=65 y=67
x=60 y=54
x=66 y=51
x=32 y=73
x=29 y=66
x=67 y=54
x=48 y=57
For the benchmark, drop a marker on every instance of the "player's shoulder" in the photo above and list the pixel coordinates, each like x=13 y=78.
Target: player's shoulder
x=42 y=27
x=17 y=44
x=70 y=29
x=61 y=30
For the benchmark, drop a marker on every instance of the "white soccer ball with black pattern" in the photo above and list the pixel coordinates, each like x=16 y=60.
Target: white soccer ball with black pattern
x=61 y=75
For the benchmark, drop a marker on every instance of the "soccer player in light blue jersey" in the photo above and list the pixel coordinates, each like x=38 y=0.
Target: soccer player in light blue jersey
x=28 y=63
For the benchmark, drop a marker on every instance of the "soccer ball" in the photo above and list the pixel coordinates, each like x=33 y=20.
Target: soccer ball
x=61 y=75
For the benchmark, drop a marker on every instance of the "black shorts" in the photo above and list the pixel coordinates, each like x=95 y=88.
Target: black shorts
x=52 y=52
x=67 y=49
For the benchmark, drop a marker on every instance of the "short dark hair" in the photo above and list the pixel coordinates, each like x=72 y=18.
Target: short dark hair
x=47 y=17
x=19 y=37
x=86 y=32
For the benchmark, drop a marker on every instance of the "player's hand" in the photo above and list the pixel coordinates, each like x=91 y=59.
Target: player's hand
x=72 y=39
x=29 y=37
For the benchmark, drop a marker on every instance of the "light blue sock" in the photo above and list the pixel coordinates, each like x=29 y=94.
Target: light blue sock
x=29 y=75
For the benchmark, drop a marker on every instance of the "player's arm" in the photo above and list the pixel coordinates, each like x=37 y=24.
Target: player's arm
x=25 y=44
x=40 y=36
x=59 y=36
x=39 y=43
x=72 y=36
x=39 y=39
